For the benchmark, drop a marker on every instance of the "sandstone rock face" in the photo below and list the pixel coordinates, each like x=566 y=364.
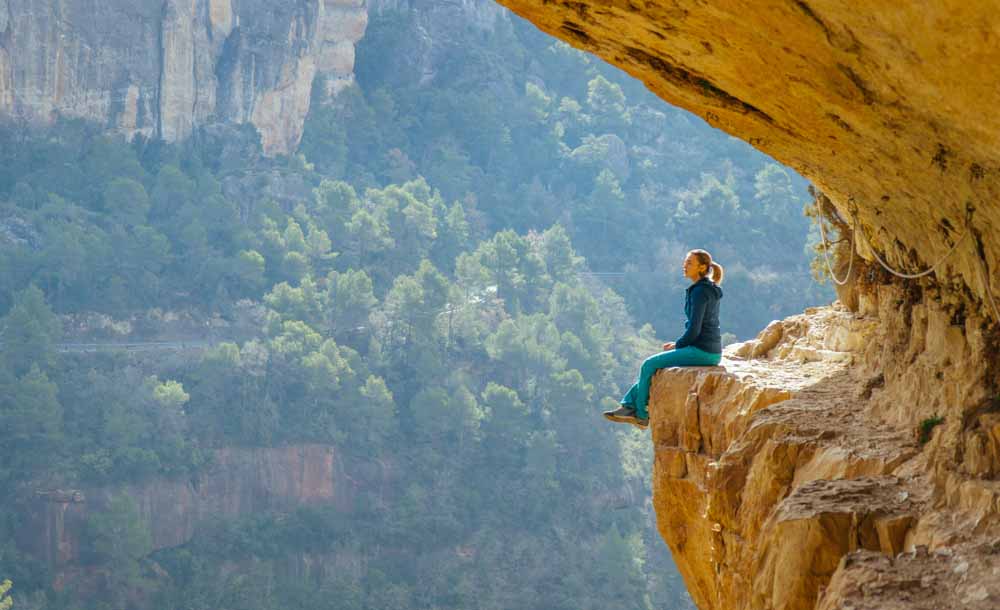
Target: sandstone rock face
x=889 y=109
x=793 y=476
x=163 y=67
x=796 y=477
x=238 y=482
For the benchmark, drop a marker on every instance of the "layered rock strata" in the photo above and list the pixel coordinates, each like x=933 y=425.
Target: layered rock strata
x=795 y=475
x=887 y=107
x=236 y=483
x=163 y=67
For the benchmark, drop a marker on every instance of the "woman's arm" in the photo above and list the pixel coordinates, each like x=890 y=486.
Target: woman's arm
x=699 y=301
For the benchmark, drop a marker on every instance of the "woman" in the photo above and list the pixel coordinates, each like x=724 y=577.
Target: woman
x=700 y=345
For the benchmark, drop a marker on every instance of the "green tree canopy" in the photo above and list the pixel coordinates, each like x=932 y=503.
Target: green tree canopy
x=126 y=201
x=5 y=601
x=30 y=332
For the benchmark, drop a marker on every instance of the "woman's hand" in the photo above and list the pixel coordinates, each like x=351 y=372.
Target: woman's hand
x=669 y=345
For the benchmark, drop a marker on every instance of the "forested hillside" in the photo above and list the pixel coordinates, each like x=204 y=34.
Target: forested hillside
x=451 y=279
x=503 y=118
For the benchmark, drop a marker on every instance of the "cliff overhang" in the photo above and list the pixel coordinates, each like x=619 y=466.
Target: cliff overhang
x=888 y=109
x=848 y=457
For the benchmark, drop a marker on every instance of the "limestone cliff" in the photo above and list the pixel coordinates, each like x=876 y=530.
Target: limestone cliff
x=799 y=479
x=163 y=67
x=237 y=482
x=795 y=475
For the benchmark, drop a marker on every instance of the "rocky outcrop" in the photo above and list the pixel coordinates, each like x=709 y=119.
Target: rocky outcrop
x=813 y=473
x=237 y=482
x=163 y=67
x=887 y=108
x=806 y=472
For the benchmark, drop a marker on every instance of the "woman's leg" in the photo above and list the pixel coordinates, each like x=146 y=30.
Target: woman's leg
x=629 y=399
x=685 y=356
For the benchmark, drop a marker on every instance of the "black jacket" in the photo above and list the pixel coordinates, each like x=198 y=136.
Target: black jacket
x=701 y=306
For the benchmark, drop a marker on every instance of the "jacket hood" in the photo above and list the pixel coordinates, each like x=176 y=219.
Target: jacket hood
x=707 y=284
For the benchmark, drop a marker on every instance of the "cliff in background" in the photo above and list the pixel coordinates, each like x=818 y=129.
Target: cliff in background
x=238 y=482
x=795 y=477
x=164 y=67
x=809 y=472
x=431 y=40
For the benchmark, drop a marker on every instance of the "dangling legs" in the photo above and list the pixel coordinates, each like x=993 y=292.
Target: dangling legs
x=626 y=412
x=637 y=396
x=685 y=356
x=629 y=399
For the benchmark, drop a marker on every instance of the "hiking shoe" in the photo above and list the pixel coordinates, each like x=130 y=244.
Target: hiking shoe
x=626 y=415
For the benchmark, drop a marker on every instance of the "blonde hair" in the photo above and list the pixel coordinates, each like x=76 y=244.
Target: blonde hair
x=715 y=269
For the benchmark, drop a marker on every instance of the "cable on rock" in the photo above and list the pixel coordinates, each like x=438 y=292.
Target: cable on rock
x=932 y=268
x=826 y=246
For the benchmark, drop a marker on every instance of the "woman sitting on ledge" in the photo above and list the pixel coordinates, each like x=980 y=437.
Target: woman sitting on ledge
x=700 y=345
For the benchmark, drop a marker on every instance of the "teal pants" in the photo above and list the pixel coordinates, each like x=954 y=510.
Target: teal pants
x=638 y=395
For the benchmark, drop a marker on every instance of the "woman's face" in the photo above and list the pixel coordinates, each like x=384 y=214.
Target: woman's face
x=694 y=270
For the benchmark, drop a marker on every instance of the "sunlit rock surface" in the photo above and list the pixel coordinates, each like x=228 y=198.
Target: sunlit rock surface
x=798 y=479
x=163 y=67
x=889 y=107
x=793 y=476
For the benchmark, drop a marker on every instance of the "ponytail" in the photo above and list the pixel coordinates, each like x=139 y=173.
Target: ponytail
x=714 y=270
x=717 y=272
